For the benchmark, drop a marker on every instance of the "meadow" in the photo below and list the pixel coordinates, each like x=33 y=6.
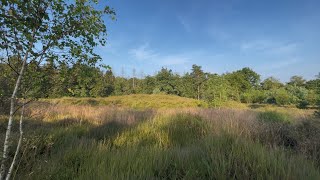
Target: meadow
x=165 y=137
x=234 y=114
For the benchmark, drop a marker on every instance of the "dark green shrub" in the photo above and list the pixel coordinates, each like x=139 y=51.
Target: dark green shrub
x=4 y=105
x=303 y=104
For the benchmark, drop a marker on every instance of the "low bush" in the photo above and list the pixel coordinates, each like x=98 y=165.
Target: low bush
x=4 y=105
x=303 y=104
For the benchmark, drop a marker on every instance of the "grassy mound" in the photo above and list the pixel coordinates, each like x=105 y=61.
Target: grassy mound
x=139 y=101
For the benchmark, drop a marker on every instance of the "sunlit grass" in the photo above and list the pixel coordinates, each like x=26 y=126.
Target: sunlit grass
x=136 y=101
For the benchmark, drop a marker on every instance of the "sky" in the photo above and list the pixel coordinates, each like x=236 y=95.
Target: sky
x=278 y=38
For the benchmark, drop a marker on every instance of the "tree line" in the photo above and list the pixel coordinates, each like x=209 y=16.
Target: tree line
x=83 y=80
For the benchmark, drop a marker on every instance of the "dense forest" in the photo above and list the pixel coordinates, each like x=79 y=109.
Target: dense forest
x=83 y=80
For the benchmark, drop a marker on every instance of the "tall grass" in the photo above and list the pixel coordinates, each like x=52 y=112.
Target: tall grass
x=102 y=142
x=136 y=101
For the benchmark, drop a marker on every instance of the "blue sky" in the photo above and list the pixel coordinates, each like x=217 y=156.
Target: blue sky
x=275 y=38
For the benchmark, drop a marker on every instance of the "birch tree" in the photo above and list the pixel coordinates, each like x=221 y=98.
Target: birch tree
x=36 y=31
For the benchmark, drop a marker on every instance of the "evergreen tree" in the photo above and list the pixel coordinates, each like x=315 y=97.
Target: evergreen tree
x=166 y=81
x=198 y=78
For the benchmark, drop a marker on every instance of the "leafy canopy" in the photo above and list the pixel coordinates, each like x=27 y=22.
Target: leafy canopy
x=42 y=30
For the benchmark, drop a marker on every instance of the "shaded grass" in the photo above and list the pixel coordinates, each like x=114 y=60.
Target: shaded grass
x=222 y=157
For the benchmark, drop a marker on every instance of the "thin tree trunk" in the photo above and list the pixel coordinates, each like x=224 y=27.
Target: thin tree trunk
x=133 y=78
x=12 y=111
x=198 y=92
x=19 y=143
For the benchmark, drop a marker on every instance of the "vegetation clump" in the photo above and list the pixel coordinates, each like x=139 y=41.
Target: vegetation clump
x=274 y=117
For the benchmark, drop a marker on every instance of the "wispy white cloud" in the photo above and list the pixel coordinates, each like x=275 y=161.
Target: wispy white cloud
x=283 y=63
x=278 y=66
x=108 y=48
x=280 y=55
x=259 y=45
x=286 y=48
x=113 y=47
x=174 y=60
x=271 y=47
x=144 y=52
x=217 y=33
x=282 y=68
x=185 y=24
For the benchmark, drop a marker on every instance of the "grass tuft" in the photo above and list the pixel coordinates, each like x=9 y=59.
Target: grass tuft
x=274 y=117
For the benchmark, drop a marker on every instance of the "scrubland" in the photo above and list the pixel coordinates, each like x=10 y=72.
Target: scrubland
x=182 y=139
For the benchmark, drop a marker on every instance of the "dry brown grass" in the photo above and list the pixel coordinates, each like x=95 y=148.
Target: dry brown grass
x=96 y=115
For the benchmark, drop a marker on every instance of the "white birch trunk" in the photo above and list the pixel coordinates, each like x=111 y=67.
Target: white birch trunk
x=19 y=143
x=12 y=110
